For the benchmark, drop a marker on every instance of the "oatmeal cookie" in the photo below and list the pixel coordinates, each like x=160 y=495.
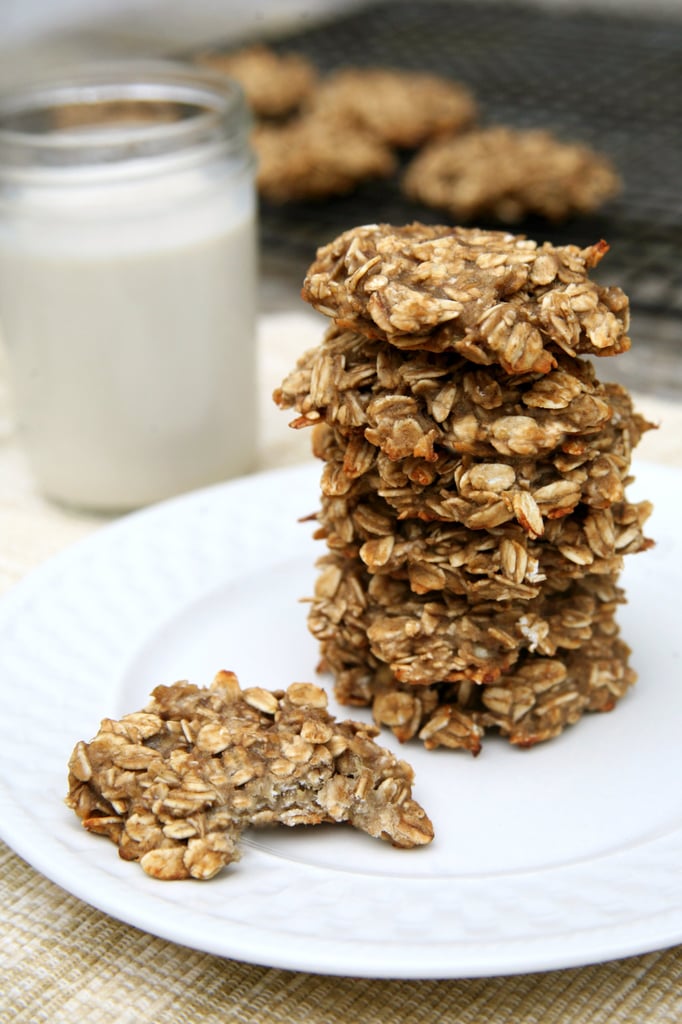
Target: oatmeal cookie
x=531 y=704
x=483 y=492
x=489 y=296
x=439 y=636
x=413 y=403
x=175 y=784
x=275 y=84
x=309 y=158
x=401 y=108
x=508 y=174
x=499 y=563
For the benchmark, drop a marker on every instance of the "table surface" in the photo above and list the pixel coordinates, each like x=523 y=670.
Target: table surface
x=62 y=960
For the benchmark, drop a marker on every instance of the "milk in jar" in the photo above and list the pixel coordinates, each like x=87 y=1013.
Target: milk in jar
x=127 y=283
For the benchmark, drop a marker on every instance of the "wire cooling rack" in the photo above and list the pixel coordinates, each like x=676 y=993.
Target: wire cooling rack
x=613 y=81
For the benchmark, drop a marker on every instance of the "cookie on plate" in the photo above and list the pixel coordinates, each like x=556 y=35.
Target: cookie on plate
x=175 y=784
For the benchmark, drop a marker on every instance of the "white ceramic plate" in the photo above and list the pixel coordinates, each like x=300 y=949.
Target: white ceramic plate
x=565 y=854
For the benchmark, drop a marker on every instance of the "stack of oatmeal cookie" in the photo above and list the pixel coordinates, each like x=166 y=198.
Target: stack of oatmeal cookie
x=473 y=491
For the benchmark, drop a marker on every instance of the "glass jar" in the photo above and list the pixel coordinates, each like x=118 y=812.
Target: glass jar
x=127 y=281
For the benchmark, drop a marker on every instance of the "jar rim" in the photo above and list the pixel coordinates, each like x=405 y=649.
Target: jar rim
x=163 y=107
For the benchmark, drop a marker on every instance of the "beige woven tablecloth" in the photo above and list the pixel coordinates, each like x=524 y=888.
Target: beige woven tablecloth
x=62 y=961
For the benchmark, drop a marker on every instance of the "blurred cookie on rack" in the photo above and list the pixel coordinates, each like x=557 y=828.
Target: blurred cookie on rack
x=508 y=174
x=403 y=109
x=309 y=158
x=275 y=85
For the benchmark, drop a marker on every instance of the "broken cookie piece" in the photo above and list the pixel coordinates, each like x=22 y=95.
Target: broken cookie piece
x=174 y=785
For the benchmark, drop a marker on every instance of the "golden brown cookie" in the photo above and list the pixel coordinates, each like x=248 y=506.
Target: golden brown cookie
x=440 y=636
x=507 y=174
x=411 y=403
x=309 y=158
x=531 y=704
x=490 y=296
x=496 y=562
x=275 y=85
x=402 y=108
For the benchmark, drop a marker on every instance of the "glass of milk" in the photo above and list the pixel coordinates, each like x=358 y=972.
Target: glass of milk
x=127 y=281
